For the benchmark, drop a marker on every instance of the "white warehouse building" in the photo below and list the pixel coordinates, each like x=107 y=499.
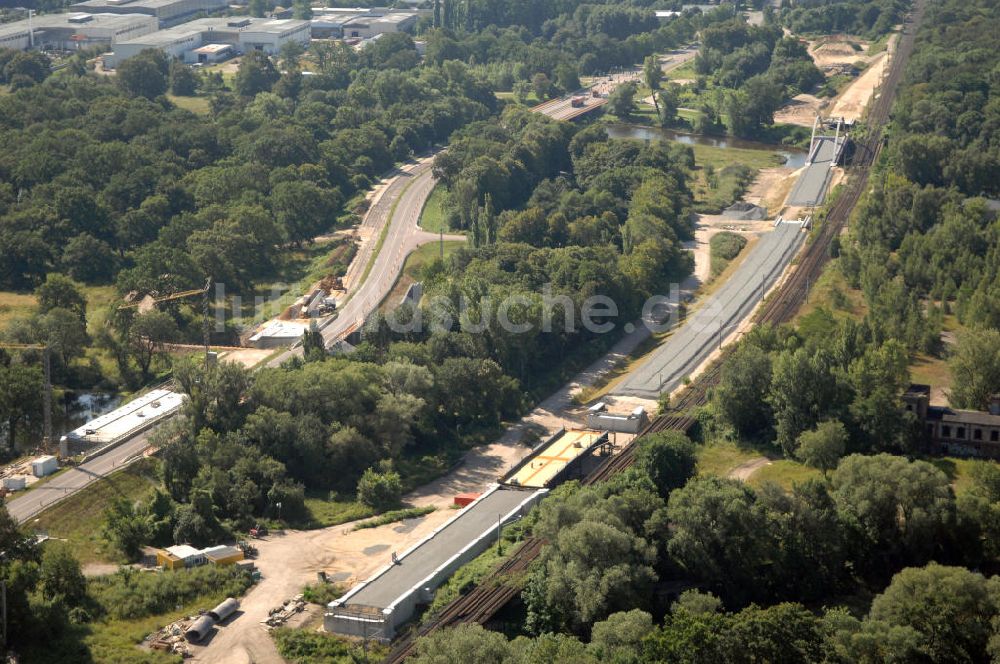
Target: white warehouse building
x=241 y=33
x=69 y=32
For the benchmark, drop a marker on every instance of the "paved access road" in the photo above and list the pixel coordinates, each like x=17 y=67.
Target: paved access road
x=810 y=188
x=401 y=205
x=27 y=506
x=718 y=316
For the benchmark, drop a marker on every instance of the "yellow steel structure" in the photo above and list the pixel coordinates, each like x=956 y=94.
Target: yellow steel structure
x=550 y=461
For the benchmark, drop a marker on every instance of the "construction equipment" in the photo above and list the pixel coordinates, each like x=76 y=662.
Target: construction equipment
x=46 y=387
x=148 y=303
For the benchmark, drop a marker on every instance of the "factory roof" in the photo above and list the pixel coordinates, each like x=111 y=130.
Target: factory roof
x=74 y=20
x=148 y=4
x=219 y=25
x=335 y=20
x=394 y=18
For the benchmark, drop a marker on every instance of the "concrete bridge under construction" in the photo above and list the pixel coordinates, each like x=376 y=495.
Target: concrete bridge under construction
x=377 y=607
x=824 y=153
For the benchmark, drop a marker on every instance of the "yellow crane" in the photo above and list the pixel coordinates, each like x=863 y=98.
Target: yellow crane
x=46 y=388
x=149 y=302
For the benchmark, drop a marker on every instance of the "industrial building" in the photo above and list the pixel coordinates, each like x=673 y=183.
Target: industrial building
x=185 y=555
x=360 y=23
x=331 y=25
x=167 y=12
x=367 y=27
x=956 y=432
x=598 y=417
x=188 y=41
x=69 y=32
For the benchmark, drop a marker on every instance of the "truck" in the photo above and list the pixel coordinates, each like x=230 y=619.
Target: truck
x=578 y=101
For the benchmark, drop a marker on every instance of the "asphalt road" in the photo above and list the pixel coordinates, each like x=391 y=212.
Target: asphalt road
x=25 y=507
x=717 y=317
x=810 y=188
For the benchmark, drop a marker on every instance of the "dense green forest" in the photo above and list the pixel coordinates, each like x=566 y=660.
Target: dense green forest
x=744 y=73
x=864 y=18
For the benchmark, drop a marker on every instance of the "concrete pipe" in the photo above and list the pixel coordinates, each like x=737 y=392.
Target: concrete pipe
x=225 y=609
x=199 y=629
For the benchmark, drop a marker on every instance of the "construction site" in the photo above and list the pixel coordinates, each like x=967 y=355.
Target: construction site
x=377 y=607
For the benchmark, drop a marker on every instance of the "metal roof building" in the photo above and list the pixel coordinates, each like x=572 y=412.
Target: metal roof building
x=167 y=12
x=371 y=26
x=242 y=33
x=72 y=31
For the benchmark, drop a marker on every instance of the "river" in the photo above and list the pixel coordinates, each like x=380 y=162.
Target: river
x=793 y=158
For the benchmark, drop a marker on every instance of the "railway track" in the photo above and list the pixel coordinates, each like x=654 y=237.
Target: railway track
x=489 y=597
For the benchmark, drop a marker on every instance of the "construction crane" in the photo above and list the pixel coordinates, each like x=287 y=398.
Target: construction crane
x=46 y=387
x=149 y=302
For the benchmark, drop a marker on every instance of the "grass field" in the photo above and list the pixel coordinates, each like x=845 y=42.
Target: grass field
x=80 y=519
x=957 y=470
x=197 y=105
x=414 y=265
x=833 y=293
x=929 y=370
x=731 y=179
x=719 y=158
x=324 y=512
x=15 y=305
x=719 y=458
x=685 y=71
x=432 y=217
x=784 y=473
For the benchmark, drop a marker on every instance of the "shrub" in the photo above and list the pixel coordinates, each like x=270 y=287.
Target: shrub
x=380 y=490
x=130 y=594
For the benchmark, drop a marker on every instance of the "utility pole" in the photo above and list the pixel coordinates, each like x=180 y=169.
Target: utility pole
x=499 y=549
x=3 y=609
x=206 y=325
x=47 y=398
x=31 y=31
